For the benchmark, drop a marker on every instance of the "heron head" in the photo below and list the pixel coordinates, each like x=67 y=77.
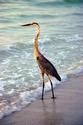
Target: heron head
x=35 y=24
x=29 y=24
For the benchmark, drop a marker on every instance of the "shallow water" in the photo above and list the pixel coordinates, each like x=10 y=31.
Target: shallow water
x=61 y=41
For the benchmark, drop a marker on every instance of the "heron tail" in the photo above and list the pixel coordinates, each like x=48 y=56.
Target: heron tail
x=56 y=75
x=59 y=78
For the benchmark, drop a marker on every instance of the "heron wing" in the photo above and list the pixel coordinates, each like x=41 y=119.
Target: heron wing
x=47 y=67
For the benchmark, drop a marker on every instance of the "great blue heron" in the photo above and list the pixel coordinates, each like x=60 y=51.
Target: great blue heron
x=46 y=67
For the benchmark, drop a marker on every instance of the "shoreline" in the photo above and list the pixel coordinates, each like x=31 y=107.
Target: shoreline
x=66 y=109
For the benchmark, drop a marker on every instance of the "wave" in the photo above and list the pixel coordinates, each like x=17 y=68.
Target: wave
x=27 y=97
x=53 y=3
x=36 y=16
x=74 y=1
x=58 y=2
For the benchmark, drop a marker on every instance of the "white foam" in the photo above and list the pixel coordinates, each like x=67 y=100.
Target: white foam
x=11 y=92
x=5 y=62
x=44 y=39
x=71 y=38
x=1 y=86
x=1 y=94
x=1 y=114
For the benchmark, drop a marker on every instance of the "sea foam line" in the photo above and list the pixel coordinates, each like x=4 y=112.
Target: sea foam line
x=27 y=97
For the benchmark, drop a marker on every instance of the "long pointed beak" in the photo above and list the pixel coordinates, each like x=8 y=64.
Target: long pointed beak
x=26 y=24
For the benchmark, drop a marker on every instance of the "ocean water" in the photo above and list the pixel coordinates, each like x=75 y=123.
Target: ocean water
x=61 y=41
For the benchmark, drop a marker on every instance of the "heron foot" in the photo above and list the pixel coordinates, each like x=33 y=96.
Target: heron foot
x=53 y=97
x=42 y=98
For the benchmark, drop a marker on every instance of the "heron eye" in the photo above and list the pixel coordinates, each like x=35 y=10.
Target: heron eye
x=37 y=58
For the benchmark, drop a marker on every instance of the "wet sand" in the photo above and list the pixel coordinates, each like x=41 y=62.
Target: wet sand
x=66 y=109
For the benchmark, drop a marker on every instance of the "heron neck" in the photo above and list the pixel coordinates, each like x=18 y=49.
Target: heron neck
x=36 y=41
x=37 y=28
x=36 y=50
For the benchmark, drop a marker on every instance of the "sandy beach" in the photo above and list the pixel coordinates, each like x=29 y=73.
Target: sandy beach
x=66 y=109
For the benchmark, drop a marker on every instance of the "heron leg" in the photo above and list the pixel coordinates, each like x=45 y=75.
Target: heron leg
x=43 y=86
x=51 y=87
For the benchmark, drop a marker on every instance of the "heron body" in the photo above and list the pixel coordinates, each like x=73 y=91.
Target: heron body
x=46 y=67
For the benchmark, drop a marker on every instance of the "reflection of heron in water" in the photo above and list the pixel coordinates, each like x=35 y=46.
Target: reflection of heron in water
x=44 y=64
